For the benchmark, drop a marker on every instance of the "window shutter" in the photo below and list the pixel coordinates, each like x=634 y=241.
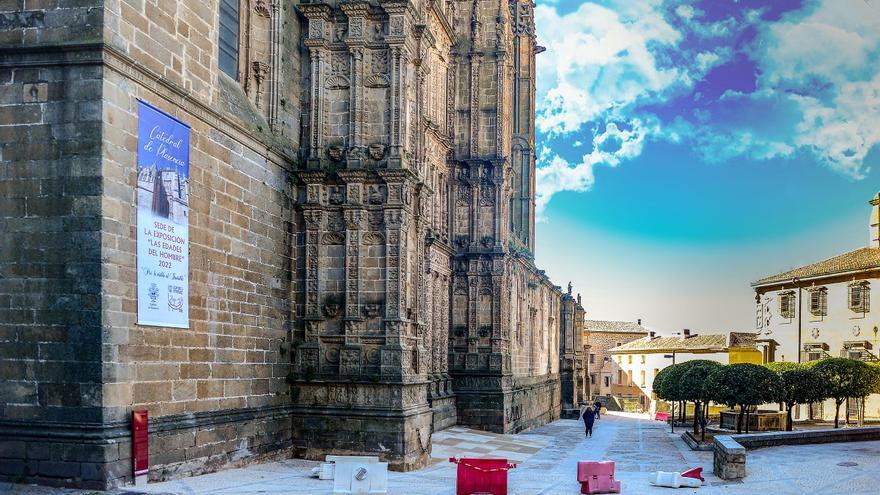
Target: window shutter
x=227 y=53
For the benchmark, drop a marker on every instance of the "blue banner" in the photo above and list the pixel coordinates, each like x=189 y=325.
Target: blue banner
x=162 y=219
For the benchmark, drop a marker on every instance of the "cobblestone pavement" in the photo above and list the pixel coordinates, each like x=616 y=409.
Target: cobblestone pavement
x=547 y=458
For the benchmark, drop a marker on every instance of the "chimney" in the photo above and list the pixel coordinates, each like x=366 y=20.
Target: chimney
x=652 y=334
x=639 y=322
x=874 y=224
x=686 y=332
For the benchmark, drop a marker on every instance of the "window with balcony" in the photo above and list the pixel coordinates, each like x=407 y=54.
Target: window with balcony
x=819 y=301
x=629 y=360
x=814 y=351
x=786 y=304
x=858 y=349
x=860 y=297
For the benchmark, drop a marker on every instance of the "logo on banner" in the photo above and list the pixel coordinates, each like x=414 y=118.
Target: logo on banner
x=154 y=296
x=175 y=298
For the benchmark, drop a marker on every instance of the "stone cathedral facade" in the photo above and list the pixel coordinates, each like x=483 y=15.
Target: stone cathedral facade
x=361 y=218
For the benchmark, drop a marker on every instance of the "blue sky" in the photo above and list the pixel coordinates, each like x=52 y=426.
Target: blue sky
x=686 y=148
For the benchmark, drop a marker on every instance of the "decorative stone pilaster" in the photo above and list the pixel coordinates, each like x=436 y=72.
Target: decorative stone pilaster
x=318 y=16
x=474 y=148
x=356 y=42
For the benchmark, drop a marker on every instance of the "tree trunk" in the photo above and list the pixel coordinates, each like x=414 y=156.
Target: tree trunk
x=705 y=417
x=788 y=422
x=837 y=404
x=748 y=415
x=739 y=419
x=847 y=410
x=696 y=407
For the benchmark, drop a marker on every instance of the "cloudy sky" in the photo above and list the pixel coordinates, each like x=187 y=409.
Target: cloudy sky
x=687 y=148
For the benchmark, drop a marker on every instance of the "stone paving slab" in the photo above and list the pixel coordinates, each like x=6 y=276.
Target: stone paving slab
x=637 y=445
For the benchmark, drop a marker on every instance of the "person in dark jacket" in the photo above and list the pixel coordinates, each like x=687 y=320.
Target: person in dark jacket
x=597 y=406
x=589 y=418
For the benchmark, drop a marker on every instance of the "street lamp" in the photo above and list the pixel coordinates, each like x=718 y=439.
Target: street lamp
x=672 y=423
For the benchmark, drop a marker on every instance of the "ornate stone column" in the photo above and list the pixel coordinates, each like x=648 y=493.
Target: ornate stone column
x=356 y=42
x=318 y=16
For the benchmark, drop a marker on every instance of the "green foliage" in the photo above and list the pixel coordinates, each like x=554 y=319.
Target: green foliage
x=696 y=384
x=847 y=378
x=657 y=386
x=675 y=384
x=798 y=384
x=743 y=384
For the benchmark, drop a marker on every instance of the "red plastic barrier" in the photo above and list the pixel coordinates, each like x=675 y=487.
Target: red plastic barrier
x=696 y=473
x=481 y=476
x=661 y=416
x=597 y=477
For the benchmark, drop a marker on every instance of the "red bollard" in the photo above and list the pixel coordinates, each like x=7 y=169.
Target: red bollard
x=481 y=476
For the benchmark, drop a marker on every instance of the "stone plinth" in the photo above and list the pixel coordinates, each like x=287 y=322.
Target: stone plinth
x=758 y=421
x=729 y=461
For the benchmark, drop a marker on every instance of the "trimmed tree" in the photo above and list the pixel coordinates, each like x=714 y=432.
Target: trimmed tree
x=697 y=388
x=743 y=385
x=674 y=386
x=798 y=384
x=846 y=378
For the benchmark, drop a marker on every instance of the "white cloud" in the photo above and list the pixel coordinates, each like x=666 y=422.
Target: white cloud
x=818 y=86
x=686 y=12
x=610 y=146
x=825 y=63
x=597 y=60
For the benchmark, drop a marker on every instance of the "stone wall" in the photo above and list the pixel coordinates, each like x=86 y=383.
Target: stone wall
x=50 y=253
x=75 y=362
x=729 y=458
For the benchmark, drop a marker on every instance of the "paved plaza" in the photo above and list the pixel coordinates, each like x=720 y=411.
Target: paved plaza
x=547 y=459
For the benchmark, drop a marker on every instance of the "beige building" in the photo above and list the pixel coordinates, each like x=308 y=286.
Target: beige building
x=601 y=336
x=826 y=309
x=637 y=363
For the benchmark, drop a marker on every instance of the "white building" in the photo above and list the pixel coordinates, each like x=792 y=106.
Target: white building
x=826 y=309
x=639 y=361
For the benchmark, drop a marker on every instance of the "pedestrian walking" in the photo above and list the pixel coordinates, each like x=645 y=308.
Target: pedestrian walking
x=589 y=418
x=597 y=407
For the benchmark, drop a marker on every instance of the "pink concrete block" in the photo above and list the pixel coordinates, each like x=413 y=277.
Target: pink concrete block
x=597 y=477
